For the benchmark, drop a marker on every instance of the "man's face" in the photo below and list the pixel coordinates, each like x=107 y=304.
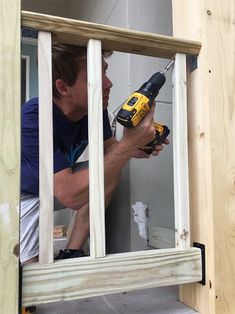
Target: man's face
x=78 y=92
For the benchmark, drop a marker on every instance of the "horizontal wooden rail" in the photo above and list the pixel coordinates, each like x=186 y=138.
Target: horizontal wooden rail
x=113 y=38
x=113 y=274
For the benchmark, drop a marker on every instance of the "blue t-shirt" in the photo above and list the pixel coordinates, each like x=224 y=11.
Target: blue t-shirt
x=70 y=140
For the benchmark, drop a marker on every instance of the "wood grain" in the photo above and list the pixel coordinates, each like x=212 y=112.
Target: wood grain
x=86 y=277
x=161 y=238
x=113 y=38
x=96 y=149
x=211 y=115
x=10 y=153
x=180 y=153
x=46 y=195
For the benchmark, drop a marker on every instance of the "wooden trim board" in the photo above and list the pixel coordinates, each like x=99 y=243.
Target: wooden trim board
x=46 y=191
x=113 y=38
x=96 y=149
x=180 y=153
x=86 y=277
x=10 y=154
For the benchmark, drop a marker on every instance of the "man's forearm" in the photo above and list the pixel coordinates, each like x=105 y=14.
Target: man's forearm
x=73 y=188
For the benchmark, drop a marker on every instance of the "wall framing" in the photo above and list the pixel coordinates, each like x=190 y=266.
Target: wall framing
x=72 y=31
x=213 y=82
x=118 y=272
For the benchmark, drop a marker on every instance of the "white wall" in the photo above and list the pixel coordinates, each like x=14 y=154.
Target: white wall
x=52 y=7
x=151 y=180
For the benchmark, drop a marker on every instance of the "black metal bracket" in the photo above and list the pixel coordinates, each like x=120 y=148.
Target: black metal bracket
x=203 y=256
x=192 y=62
x=29 y=32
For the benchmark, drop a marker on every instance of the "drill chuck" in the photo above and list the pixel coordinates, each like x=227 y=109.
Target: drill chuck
x=138 y=104
x=152 y=87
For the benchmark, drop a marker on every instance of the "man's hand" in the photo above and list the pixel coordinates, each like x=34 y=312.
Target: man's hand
x=143 y=133
x=159 y=148
x=141 y=154
x=140 y=135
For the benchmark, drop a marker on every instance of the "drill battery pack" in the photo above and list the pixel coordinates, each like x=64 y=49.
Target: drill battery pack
x=162 y=131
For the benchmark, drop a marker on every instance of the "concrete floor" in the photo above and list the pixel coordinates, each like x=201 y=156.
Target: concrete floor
x=149 y=301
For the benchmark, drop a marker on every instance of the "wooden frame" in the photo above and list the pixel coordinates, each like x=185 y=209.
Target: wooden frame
x=210 y=104
x=186 y=266
x=153 y=264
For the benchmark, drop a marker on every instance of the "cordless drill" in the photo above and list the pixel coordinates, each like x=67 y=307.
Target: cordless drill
x=138 y=105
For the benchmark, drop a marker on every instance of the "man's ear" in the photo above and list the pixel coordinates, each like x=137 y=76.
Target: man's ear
x=62 y=87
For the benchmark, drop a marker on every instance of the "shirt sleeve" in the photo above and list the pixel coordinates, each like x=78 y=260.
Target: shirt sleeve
x=29 y=150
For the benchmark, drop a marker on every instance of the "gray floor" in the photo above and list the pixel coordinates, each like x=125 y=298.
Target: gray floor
x=150 y=301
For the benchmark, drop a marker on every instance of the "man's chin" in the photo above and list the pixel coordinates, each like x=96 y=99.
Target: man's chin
x=105 y=105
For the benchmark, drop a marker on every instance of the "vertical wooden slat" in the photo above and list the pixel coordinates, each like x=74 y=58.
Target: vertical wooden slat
x=96 y=160
x=10 y=153
x=45 y=149
x=180 y=153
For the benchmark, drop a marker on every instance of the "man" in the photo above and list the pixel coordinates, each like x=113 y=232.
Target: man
x=69 y=67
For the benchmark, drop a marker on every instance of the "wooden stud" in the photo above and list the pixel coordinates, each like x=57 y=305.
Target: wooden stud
x=180 y=153
x=113 y=38
x=46 y=194
x=10 y=61
x=96 y=149
x=86 y=277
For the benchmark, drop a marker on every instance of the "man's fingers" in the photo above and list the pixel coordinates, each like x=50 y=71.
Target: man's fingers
x=155 y=153
x=159 y=148
x=149 y=115
x=141 y=154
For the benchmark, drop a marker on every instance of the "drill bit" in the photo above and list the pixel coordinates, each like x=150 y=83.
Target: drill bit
x=168 y=66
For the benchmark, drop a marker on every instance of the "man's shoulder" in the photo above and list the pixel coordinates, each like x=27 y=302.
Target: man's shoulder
x=30 y=106
x=29 y=113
